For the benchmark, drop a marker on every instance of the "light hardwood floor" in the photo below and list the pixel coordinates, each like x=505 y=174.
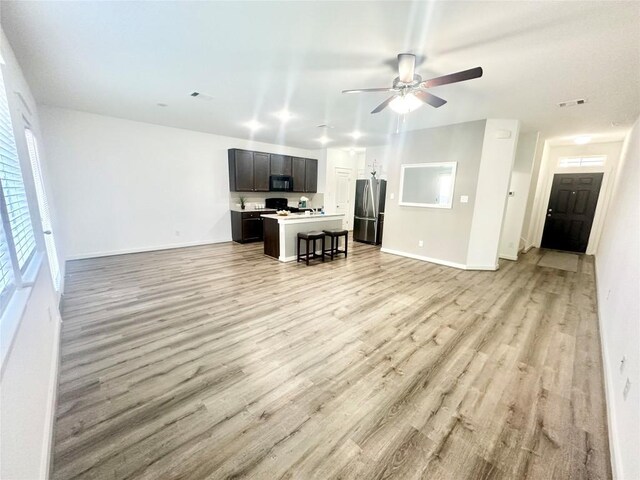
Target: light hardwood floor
x=218 y=362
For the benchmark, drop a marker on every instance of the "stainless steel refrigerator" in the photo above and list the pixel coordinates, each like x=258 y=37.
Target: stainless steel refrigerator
x=370 y=196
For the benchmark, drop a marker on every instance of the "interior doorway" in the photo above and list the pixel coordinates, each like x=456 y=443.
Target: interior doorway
x=343 y=179
x=43 y=206
x=570 y=212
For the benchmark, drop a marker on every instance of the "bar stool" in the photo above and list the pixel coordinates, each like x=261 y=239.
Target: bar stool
x=334 y=234
x=312 y=236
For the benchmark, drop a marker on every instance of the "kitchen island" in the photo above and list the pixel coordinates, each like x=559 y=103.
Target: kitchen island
x=281 y=231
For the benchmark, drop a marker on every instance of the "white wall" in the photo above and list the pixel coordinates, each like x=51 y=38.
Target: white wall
x=28 y=378
x=498 y=154
x=511 y=237
x=444 y=232
x=124 y=186
x=618 y=288
x=378 y=157
x=549 y=167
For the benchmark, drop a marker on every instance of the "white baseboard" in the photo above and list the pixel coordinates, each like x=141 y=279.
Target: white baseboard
x=616 y=462
x=52 y=402
x=438 y=261
x=491 y=268
x=509 y=257
x=125 y=251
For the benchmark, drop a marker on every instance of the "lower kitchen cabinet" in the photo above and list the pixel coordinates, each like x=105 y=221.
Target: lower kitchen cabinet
x=247 y=226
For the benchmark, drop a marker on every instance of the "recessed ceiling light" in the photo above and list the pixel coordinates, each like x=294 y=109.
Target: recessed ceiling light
x=582 y=139
x=324 y=140
x=284 y=115
x=355 y=134
x=253 y=125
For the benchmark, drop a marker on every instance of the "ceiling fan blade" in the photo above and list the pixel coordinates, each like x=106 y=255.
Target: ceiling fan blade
x=429 y=98
x=406 y=67
x=365 y=90
x=453 y=78
x=383 y=105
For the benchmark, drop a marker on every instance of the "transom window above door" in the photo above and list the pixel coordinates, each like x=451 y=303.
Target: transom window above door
x=582 y=161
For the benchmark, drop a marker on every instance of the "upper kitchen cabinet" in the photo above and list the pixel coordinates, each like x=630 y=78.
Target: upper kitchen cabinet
x=248 y=171
x=298 y=172
x=305 y=175
x=261 y=167
x=311 y=176
x=280 y=164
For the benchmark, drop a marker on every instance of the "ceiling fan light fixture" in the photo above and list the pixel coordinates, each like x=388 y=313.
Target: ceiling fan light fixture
x=405 y=103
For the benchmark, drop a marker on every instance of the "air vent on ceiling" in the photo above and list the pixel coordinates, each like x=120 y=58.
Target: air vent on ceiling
x=201 y=96
x=572 y=103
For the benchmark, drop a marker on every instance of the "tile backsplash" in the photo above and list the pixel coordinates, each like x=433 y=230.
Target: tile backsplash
x=316 y=200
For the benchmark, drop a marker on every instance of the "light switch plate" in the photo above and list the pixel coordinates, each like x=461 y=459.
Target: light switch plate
x=464 y=199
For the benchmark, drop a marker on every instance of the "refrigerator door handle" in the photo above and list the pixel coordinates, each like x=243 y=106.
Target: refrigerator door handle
x=364 y=197
x=373 y=200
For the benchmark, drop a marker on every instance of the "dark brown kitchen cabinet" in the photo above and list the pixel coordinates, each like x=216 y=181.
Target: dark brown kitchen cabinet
x=311 y=175
x=280 y=164
x=241 y=170
x=247 y=226
x=305 y=174
x=298 y=172
x=261 y=167
x=248 y=171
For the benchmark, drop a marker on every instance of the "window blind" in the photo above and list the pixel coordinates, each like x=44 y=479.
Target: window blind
x=15 y=197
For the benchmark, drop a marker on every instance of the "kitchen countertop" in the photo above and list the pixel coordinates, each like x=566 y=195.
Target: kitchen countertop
x=300 y=217
x=238 y=209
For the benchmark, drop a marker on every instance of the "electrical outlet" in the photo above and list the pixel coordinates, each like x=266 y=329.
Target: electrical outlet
x=420 y=243
x=627 y=387
x=392 y=196
x=464 y=199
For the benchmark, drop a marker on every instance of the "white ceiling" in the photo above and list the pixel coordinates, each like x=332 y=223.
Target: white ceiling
x=254 y=58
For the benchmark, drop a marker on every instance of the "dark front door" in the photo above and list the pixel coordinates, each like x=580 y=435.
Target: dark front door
x=572 y=205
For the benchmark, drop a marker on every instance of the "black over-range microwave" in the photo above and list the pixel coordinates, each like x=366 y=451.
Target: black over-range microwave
x=280 y=183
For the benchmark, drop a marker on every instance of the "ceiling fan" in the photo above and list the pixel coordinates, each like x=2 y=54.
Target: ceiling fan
x=410 y=90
